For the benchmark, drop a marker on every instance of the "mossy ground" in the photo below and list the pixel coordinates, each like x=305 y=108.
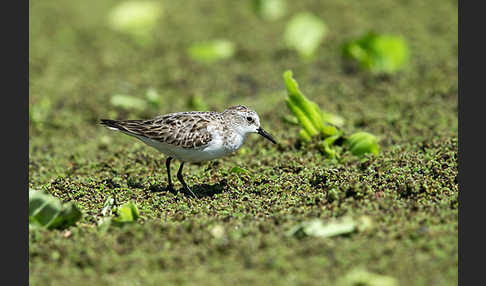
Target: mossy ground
x=409 y=190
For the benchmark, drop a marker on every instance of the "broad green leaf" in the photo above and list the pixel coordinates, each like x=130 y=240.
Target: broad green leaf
x=128 y=213
x=211 y=51
x=378 y=53
x=304 y=121
x=363 y=142
x=304 y=33
x=305 y=110
x=328 y=130
x=47 y=211
x=128 y=102
x=238 y=170
x=69 y=215
x=43 y=208
x=269 y=9
x=136 y=18
x=304 y=136
x=36 y=200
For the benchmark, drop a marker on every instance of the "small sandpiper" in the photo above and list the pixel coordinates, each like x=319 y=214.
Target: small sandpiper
x=193 y=136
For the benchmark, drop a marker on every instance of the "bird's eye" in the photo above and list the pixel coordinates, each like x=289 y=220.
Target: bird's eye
x=250 y=119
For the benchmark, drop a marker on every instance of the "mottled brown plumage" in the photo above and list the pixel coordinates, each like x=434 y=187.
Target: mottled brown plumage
x=183 y=129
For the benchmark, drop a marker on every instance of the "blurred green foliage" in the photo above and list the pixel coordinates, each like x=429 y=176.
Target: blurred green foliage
x=304 y=33
x=196 y=102
x=317 y=228
x=151 y=99
x=363 y=142
x=48 y=211
x=211 y=51
x=137 y=19
x=378 y=53
x=128 y=102
x=128 y=212
x=270 y=9
x=362 y=277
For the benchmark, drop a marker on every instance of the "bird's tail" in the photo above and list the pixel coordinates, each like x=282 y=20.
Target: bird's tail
x=112 y=124
x=129 y=127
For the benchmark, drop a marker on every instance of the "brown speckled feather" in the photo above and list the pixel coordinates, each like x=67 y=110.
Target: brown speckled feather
x=168 y=128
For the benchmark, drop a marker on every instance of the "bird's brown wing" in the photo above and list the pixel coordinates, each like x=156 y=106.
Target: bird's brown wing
x=184 y=129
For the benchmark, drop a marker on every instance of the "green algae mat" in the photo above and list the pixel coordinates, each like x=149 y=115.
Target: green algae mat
x=310 y=210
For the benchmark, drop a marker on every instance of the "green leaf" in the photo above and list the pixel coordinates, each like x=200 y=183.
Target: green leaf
x=69 y=215
x=328 y=130
x=326 y=144
x=378 y=53
x=304 y=136
x=47 y=211
x=325 y=147
x=211 y=51
x=331 y=139
x=318 y=228
x=136 y=18
x=128 y=102
x=128 y=213
x=363 y=142
x=302 y=117
x=310 y=117
x=238 y=170
x=36 y=200
x=304 y=33
x=269 y=9
x=43 y=208
x=306 y=111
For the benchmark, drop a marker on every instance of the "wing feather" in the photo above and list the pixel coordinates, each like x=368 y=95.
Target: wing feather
x=184 y=129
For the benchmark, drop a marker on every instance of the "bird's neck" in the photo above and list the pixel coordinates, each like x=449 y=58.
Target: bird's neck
x=235 y=140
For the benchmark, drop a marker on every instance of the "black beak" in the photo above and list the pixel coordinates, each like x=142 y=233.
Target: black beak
x=266 y=135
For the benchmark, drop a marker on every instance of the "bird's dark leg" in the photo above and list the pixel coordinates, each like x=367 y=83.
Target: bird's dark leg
x=179 y=176
x=170 y=186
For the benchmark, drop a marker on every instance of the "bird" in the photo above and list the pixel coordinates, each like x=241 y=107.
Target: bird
x=193 y=136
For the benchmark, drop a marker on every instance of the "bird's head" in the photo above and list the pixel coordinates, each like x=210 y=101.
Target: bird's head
x=245 y=121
